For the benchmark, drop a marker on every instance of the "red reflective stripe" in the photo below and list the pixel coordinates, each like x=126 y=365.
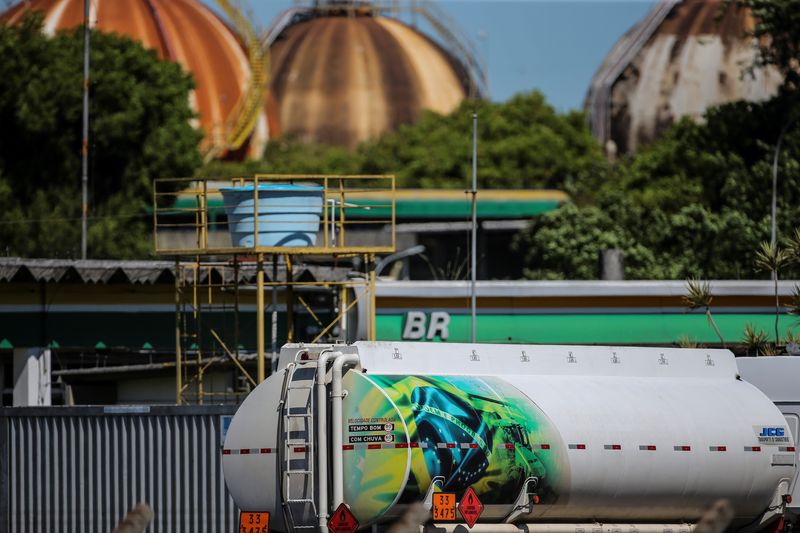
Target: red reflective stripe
x=414 y=444
x=299 y=449
x=650 y=447
x=756 y=449
x=226 y=452
x=616 y=446
x=374 y=446
x=348 y=447
x=244 y=451
x=509 y=446
x=401 y=445
x=685 y=448
x=790 y=449
x=719 y=448
x=580 y=446
x=265 y=450
x=473 y=445
x=545 y=446
x=451 y=444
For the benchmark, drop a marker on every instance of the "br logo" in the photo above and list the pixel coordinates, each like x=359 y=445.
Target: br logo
x=418 y=326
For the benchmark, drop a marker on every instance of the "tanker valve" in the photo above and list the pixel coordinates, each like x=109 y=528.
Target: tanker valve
x=787 y=499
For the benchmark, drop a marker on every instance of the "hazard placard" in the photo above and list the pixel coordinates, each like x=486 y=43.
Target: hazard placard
x=470 y=507
x=444 y=506
x=342 y=520
x=253 y=522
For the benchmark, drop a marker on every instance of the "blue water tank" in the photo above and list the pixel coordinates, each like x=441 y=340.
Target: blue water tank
x=288 y=215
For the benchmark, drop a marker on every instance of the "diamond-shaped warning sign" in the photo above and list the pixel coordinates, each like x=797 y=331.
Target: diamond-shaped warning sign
x=342 y=520
x=470 y=507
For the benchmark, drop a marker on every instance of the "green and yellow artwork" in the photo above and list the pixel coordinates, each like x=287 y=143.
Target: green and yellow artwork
x=402 y=431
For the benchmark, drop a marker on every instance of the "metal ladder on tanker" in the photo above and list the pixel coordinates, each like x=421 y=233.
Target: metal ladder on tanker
x=298 y=487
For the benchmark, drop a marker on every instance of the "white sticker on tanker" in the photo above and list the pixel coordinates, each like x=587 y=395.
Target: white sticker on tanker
x=772 y=435
x=355 y=439
x=363 y=428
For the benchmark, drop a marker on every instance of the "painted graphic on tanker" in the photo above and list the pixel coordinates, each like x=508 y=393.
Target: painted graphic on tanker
x=478 y=432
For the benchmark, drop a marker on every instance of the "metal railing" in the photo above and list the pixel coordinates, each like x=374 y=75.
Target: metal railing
x=190 y=215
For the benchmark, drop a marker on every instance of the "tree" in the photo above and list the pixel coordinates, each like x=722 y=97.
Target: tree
x=698 y=296
x=522 y=143
x=777 y=32
x=772 y=259
x=139 y=130
x=696 y=203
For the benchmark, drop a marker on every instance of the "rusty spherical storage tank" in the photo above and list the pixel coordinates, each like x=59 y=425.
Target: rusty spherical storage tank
x=341 y=77
x=188 y=32
x=681 y=59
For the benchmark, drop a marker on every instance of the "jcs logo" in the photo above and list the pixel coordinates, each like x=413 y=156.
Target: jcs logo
x=771 y=432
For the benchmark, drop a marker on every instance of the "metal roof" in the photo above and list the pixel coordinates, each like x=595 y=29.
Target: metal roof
x=419 y=204
x=17 y=269
x=575 y=288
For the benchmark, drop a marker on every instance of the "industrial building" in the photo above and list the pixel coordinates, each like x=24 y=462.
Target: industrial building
x=106 y=329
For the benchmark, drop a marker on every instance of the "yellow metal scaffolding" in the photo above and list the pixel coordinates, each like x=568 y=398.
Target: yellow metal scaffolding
x=214 y=277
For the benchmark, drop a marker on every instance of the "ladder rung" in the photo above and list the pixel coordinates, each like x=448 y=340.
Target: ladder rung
x=298 y=472
x=301 y=415
x=302 y=387
x=300 y=500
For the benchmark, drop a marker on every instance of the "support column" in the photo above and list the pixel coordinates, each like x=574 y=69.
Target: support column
x=178 y=354
x=373 y=333
x=274 y=328
x=289 y=300
x=260 y=318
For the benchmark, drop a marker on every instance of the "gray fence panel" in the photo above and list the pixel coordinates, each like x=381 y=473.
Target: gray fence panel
x=81 y=469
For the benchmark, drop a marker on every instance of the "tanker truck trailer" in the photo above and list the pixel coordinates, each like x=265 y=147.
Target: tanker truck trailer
x=558 y=439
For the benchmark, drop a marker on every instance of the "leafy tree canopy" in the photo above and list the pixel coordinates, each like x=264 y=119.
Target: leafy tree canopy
x=696 y=203
x=139 y=130
x=777 y=32
x=523 y=143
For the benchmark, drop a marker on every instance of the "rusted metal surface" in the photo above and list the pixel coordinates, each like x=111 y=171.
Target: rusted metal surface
x=681 y=59
x=22 y=270
x=343 y=79
x=186 y=31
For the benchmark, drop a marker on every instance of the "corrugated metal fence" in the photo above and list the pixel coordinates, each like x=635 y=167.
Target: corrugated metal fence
x=80 y=469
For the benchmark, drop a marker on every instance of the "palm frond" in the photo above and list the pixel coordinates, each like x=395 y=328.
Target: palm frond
x=698 y=294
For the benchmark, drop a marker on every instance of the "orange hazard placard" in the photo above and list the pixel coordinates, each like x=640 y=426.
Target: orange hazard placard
x=342 y=520
x=470 y=507
x=444 y=506
x=253 y=522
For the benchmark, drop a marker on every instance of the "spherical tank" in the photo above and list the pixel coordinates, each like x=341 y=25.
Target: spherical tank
x=185 y=31
x=681 y=59
x=343 y=79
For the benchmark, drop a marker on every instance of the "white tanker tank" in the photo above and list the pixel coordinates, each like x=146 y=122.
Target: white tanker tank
x=644 y=439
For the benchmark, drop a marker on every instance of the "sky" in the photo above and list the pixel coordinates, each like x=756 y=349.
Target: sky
x=554 y=46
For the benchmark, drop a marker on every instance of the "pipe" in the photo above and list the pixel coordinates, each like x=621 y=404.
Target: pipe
x=474 y=254
x=558 y=528
x=322 y=436
x=336 y=417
